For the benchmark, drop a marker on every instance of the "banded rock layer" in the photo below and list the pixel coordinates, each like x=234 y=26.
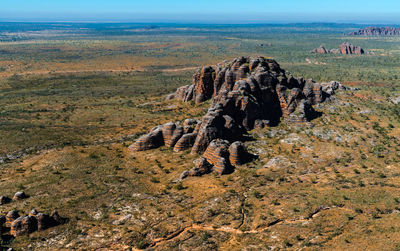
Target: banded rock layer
x=377 y=31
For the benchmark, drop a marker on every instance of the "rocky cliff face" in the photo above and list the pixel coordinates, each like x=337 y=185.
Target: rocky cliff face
x=377 y=31
x=345 y=49
x=246 y=93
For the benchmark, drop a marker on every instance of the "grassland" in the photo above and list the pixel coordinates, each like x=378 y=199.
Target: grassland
x=74 y=96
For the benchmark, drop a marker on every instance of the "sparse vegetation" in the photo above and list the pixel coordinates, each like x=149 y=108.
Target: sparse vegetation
x=67 y=100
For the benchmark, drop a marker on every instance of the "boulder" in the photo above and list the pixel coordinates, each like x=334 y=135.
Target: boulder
x=4 y=200
x=238 y=154
x=171 y=133
x=200 y=168
x=20 y=196
x=185 y=142
x=24 y=225
x=11 y=217
x=151 y=140
x=222 y=166
x=217 y=154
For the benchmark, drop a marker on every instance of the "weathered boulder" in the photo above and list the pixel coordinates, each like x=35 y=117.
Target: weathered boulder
x=4 y=200
x=171 y=133
x=11 y=217
x=20 y=196
x=185 y=142
x=217 y=154
x=200 y=168
x=238 y=154
x=151 y=140
x=24 y=225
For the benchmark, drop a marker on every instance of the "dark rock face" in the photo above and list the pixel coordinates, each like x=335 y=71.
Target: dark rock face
x=4 y=200
x=377 y=31
x=246 y=93
x=345 y=49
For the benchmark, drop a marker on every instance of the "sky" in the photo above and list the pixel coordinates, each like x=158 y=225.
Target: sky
x=207 y=11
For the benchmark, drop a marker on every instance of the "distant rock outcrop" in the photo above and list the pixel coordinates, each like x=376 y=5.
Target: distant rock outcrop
x=346 y=49
x=246 y=93
x=320 y=50
x=377 y=31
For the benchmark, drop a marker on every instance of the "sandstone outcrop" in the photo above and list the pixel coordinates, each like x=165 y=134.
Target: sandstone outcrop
x=346 y=49
x=238 y=154
x=246 y=93
x=320 y=50
x=23 y=225
x=377 y=31
x=151 y=140
x=34 y=221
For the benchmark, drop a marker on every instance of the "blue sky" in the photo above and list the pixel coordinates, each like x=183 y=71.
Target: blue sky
x=229 y=11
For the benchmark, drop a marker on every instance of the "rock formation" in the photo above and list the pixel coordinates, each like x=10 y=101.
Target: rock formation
x=151 y=140
x=246 y=93
x=34 y=221
x=11 y=217
x=377 y=31
x=23 y=225
x=320 y=50
x=346 y=49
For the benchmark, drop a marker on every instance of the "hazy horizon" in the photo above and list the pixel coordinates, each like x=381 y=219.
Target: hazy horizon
x=206 y=11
